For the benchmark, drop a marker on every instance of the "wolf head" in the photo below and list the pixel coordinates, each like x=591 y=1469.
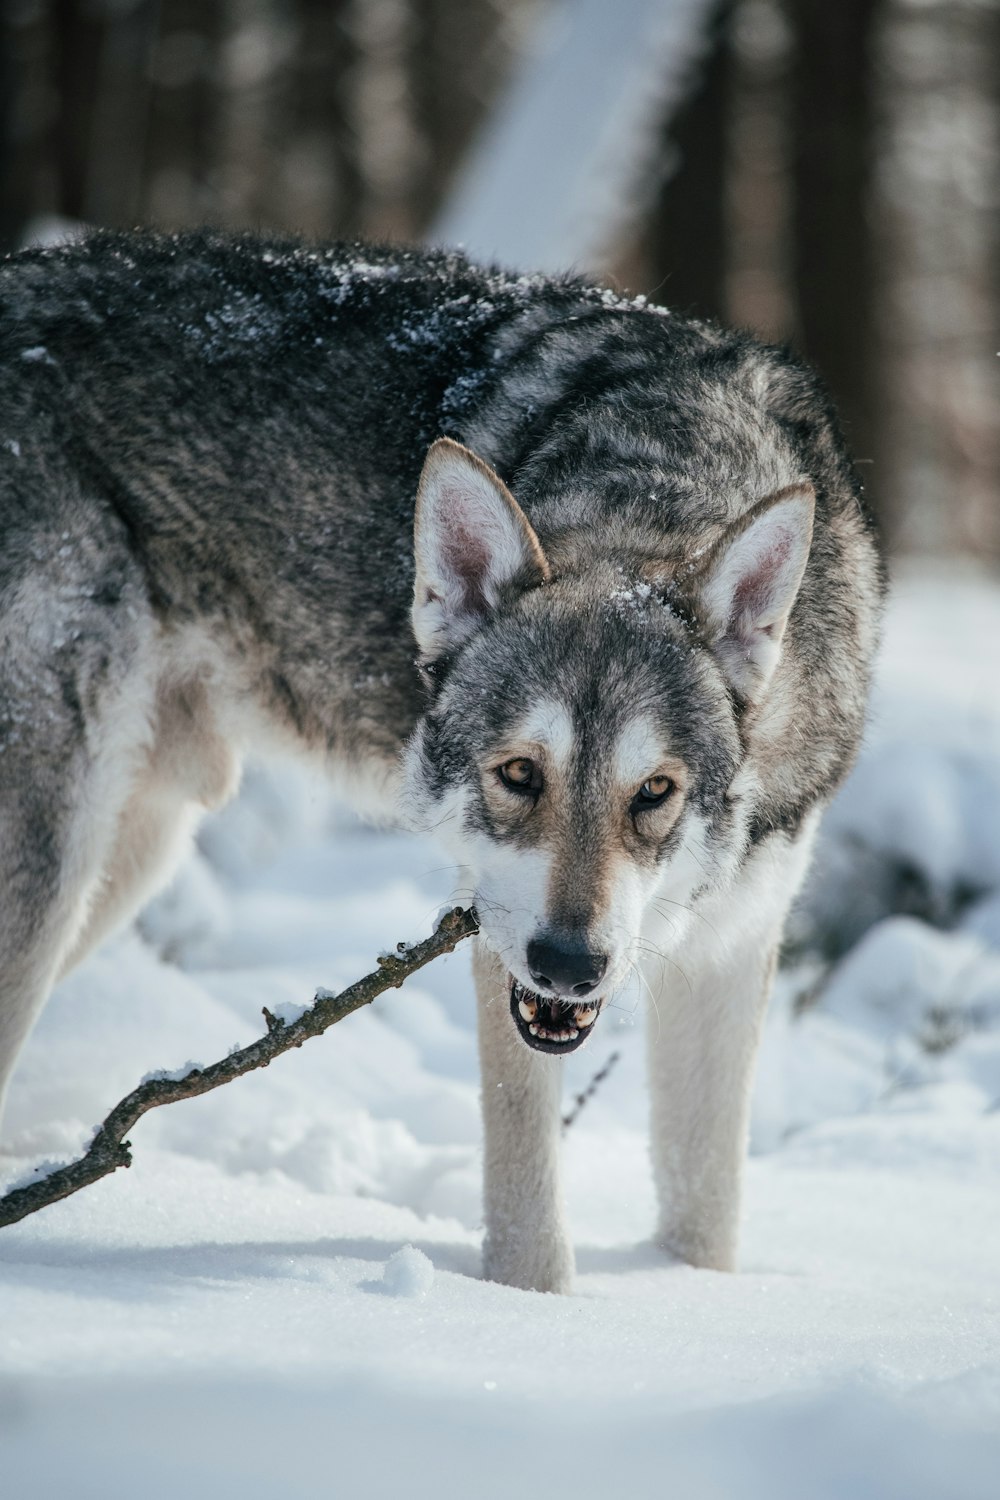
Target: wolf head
x=582 y=752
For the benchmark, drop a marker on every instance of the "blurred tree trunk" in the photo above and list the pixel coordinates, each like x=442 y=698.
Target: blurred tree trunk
x=758 y=196
x=682 y=253
x=939 y=177
x=120 y=122
x=77 y=34
x=178 y=188
x=325 y=183
x=26 y=104
x=460 y=56
x=832 y=157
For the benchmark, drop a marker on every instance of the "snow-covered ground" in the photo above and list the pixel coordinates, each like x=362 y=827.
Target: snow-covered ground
x=281 y=1296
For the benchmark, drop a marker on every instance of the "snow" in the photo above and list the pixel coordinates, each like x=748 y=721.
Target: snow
x=408 y=1273
x=282 y=1294
x=172 y=1075
x=596 y=79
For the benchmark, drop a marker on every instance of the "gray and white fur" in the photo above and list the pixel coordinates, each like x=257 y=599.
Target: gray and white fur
x=583 y=587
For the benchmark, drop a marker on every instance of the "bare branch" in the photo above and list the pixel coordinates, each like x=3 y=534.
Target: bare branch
x=109 y=1149
x=580 y=1100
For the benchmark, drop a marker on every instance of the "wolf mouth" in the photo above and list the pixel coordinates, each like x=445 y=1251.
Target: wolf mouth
x=551 y=1025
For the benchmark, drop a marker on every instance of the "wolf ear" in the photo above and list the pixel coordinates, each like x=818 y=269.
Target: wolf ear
x=471 y=538
x=749 y=582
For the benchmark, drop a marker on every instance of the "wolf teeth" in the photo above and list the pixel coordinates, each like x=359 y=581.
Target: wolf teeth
x=542 y=1019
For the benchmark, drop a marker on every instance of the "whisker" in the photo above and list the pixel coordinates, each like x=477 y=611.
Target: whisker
x=691 y=911
x=437 y=870
x=665 y=958
x=686 y=849
x=656 y=1009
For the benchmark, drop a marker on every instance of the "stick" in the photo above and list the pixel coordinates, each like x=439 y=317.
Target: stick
x=581 y=1099
x=109 y=1149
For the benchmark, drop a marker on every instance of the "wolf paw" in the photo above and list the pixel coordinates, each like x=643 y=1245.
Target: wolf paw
x=704 y=1251
x=539 y=1268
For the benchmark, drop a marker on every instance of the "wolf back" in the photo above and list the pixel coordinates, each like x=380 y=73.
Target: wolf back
x=252 y=414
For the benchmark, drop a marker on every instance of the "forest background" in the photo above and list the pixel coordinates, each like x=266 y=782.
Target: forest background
x=824 y=174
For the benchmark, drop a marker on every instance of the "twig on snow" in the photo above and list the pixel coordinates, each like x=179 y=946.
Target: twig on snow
x=109 y=1149
x=581 y=1099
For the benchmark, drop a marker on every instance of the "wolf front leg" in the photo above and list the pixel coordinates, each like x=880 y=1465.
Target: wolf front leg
x=50 y=846
x=705 y=1029
x=703 y=1045
x=527 y=1240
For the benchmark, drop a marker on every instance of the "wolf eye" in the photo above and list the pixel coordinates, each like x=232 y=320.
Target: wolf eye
x=521 y=775
x=652 y=792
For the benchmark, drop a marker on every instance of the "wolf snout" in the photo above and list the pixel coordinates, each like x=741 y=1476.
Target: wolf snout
x=564 y=969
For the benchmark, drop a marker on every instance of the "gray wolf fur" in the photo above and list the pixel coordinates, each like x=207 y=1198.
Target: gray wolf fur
x=641 y=594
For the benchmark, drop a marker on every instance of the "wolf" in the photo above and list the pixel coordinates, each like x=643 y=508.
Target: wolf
x=581 y=586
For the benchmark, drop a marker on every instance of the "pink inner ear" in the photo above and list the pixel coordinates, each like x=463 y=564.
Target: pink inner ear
x=754 y=594
x=467 y=558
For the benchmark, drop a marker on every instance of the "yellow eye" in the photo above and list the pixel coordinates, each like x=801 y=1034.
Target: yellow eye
x=657 y=789
x=521 y=775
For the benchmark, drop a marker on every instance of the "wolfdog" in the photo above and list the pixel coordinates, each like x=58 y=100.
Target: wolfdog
x=582 y=586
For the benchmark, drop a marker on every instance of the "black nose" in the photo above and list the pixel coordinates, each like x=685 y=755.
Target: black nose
x=565 y=970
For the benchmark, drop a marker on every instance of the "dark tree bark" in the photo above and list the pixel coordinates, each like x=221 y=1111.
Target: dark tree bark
x=180 y=146
x=832 y=130
x=320 y=117
x=682 y=256
x=114 y=181
x=24 y=122
x=459 y=64
x=77 y=36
